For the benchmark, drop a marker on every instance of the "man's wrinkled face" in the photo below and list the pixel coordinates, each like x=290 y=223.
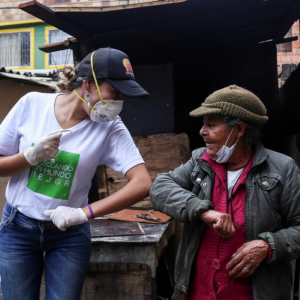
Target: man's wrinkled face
x=215 y=132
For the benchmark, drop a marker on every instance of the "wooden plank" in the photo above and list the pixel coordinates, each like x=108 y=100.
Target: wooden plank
x=162 y=153
x=67 y=44
x=117 y=281
x=105 y=228
x=44 y=13
x=101 y=182
x=93 y=6
x=153 y=235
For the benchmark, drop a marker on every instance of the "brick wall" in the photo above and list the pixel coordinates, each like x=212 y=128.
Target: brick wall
x=9 y=11
x=292 y=55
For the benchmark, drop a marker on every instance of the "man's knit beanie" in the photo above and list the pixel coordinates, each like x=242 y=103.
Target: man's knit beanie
x=234 y=102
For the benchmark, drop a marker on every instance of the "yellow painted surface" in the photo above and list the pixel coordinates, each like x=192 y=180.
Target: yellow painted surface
x=31 y=30
x=2 y=24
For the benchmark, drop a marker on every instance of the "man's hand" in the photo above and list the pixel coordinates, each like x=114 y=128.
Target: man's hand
x=247 y=258
x=220 y=222
x=64 y=216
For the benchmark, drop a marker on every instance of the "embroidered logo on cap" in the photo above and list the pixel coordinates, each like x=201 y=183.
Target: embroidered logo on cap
x=128 y=67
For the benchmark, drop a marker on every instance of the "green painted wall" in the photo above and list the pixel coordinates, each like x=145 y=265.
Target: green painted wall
x=39 y=40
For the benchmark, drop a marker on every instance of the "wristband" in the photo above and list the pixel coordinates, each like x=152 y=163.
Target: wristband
x=91 y=211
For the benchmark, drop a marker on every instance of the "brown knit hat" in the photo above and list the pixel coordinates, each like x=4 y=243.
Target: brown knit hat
x=234 y=102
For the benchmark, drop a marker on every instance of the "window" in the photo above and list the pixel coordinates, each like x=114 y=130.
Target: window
x=59 y=58
x=15 y=49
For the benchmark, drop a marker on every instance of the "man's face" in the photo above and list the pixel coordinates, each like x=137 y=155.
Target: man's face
x=215 y=132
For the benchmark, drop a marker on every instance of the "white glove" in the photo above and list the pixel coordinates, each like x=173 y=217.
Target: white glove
x=45 y=149
x=64 y=216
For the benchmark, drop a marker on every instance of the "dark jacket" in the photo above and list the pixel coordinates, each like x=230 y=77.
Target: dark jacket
x=272 y=212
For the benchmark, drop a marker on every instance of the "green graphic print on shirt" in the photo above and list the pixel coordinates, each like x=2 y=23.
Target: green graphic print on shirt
x=54 y=179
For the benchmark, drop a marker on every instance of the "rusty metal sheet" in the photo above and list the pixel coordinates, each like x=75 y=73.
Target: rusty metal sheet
x=132 y=215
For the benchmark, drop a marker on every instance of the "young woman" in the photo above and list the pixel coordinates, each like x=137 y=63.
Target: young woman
x=50 y=146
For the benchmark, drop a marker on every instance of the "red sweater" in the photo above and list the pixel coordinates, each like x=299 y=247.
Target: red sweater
x=210 y=279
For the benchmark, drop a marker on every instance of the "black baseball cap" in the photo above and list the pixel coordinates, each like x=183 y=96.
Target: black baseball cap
x=114 y=67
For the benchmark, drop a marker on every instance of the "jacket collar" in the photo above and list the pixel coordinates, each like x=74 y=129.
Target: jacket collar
x=202 y=163
x=260 y=154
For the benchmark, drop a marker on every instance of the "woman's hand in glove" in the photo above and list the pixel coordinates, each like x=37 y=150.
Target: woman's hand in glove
x=64 y=216
x=45 y=149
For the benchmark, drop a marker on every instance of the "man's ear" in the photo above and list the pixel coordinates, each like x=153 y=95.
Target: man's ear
x=241 y=127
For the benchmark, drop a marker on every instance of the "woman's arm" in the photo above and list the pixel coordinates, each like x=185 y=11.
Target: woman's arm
x=10 y=165
x=135 y=190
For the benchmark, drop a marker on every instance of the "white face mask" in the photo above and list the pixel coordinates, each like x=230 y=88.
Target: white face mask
x=225 y=152
x=100 y=113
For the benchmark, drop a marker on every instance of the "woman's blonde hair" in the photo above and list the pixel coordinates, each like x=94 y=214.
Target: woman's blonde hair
x=67 y=79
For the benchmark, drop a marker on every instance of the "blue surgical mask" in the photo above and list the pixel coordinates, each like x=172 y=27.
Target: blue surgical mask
x=225 y=152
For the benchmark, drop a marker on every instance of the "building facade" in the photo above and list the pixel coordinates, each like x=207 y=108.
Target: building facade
x=21 y=34
x=289 y=53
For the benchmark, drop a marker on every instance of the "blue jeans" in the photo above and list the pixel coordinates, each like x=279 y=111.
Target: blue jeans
x=28 y=247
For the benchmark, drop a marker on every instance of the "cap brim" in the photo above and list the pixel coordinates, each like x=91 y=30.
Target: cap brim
x=128 y=88
x=203 y=111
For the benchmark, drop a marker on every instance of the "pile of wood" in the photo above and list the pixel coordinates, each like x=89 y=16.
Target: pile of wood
x=162 y=153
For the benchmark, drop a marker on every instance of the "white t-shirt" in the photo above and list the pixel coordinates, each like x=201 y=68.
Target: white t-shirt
x=67 y=181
